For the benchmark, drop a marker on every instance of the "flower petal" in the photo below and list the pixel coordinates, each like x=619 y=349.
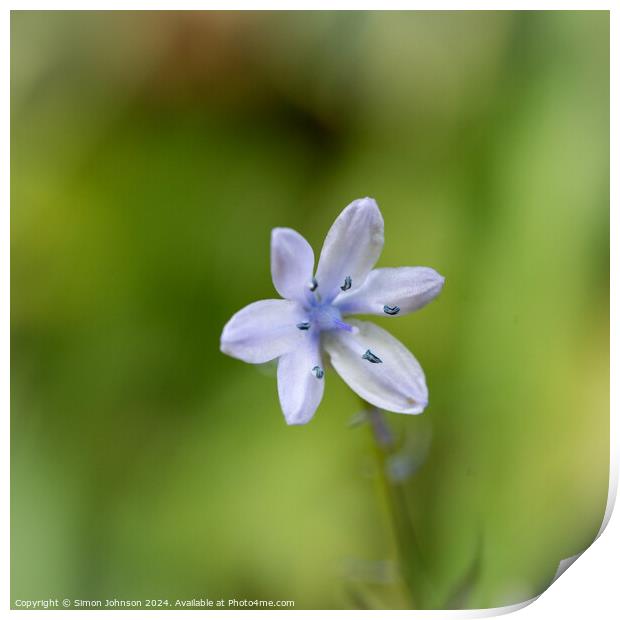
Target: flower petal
x=292 y=263
x=378 y=367
x=263 y=331
x=301 y=381
x=351 y=249
x=392 y=291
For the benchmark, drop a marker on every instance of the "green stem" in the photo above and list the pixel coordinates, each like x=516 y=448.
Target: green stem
x=410 y=558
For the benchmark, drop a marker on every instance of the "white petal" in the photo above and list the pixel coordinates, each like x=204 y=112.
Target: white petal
x=401 y=289
x=300 y=383
x=292 y=263
x=263 y=331
x=396 y=384
x=351 y=249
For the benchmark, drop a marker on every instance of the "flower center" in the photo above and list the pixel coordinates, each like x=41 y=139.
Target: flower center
x=326 y=317
x=323 y=317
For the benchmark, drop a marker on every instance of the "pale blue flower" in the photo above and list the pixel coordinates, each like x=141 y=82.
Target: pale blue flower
x=313 y=318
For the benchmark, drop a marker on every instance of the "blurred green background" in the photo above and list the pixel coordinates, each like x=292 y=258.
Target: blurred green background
x=152 y=154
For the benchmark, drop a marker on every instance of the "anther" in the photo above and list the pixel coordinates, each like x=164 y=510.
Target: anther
x=347 y=284
x=313 y=285
x=305 y=325
x=371 y=357
x=318 y=372
x=391 y=310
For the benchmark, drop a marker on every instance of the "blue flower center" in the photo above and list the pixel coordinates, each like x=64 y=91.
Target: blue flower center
x=323 y=316
x=326 y=316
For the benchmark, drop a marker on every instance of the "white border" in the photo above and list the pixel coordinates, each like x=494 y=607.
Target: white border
x=316 y=5
x=589 y=586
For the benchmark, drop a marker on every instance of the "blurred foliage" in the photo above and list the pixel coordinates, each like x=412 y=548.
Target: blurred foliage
x=152 y=153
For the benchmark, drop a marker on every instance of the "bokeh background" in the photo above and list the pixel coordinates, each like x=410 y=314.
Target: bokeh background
x=152 y=153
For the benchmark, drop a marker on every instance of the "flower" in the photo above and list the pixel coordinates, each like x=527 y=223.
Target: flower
x=313 y=316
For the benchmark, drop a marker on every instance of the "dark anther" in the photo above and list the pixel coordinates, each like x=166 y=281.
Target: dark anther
x=392 y=310
x=347 y=284
x=313 y=285
x=371 y=357
x=318 y=372
x=303 y=326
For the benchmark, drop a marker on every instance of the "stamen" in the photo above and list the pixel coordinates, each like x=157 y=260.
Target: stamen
x=342 y=325
x=371 y=357
x=391 y=310
x=313 y=285
x=347 y=284
x=318 y=372
x=305 y=325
